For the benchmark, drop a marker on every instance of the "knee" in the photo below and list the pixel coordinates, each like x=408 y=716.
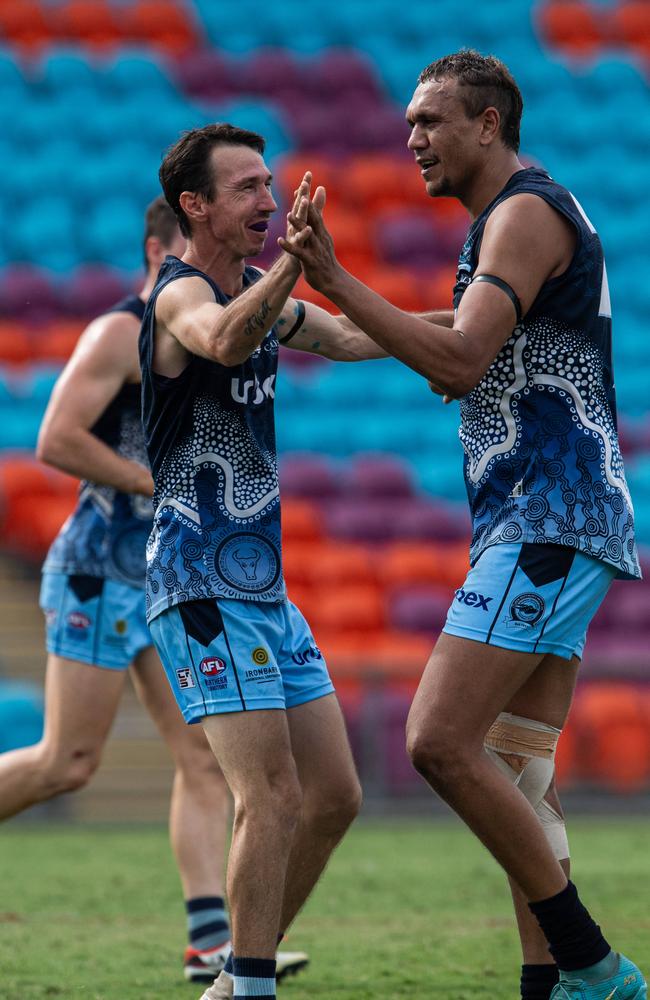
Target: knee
x=333 y=810
x=436 y=754
x=67 y=772
x=274 y=801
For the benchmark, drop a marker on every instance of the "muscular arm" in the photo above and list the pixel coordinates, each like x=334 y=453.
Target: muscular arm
x=188 y=320
x=105 y=358
x=525 y=242
x=337 y=337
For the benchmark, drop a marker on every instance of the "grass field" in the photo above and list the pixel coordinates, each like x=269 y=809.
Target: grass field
x=411 y=909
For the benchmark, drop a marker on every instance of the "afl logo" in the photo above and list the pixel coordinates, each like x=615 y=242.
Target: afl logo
x=212 y=665
x=76 y=619
x=527 y=609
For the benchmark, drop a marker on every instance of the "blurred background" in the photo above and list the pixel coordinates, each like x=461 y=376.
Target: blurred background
x=374 y=512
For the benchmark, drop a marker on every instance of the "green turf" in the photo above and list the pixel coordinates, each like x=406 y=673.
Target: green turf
x=406 y=909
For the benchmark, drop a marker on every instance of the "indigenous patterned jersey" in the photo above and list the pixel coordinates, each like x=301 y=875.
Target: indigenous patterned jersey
x=210 y=435
x=542 y=459
x=106 y=534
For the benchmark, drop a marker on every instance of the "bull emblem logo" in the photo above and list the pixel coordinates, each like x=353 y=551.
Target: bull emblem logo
x=247 y=558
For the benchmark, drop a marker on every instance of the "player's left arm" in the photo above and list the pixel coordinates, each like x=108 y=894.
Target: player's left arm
x=304 y=326
x=525 y=242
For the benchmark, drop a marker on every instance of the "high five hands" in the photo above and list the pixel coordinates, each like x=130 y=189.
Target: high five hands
x=307 y=238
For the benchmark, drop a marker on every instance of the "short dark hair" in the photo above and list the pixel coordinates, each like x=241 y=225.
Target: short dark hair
x=160 y=221
x=485 y=82
x=186 y=166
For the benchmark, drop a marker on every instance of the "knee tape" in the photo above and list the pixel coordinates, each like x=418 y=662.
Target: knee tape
x=535 y=743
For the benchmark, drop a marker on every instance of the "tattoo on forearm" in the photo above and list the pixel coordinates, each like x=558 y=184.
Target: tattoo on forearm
x=315 y=345
x=256 y=322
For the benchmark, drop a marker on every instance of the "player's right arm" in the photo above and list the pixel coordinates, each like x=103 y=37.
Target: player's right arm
x=103 y=361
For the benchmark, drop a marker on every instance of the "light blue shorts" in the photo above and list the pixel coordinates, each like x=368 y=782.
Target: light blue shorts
x=530 y=597
x=93 y=620
x=234 y=656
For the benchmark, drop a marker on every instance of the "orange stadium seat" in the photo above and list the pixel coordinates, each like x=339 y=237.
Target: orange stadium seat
x=90 y=22
x=304 y=291
x=351 y=608
x=325 y=171
x=341 y=565
x=571 y=24
x=162 y=23
x=631 y=25
x=57 y=341
x=15 y=343
x=400 y=286
x=413 y=563
x=380 y=183
x=301 y=521
x=566 y=758
x=439 y=288
x=23 y=23
x=298 y=559
x=614 y=721
x=35 y=522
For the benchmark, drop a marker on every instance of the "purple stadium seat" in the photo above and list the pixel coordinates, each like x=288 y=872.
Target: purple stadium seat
x=616 y=654
x=269 y=72
x=419 y=609
x=420 y=518
x=91 y=290
x=398 y=774
x=362 y=521
x=408 y=239
x=338 y=73
x=27 y=293
x=204 y=74
x=381 y=476
x=309 y=477
x=629 y=608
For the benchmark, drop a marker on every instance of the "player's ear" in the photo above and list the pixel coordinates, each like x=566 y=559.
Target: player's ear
x=490 y=125
x=194 y=205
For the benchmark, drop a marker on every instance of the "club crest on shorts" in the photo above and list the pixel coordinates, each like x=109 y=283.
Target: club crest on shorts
x=526 y=611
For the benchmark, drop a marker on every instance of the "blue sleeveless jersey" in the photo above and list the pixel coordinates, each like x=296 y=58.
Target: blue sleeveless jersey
x=106 y=534
x=211 y=440
x=542 y=459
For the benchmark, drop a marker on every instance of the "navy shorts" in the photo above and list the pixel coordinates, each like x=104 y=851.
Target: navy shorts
x=93 y=620
x=535 y=598
x=223 y=655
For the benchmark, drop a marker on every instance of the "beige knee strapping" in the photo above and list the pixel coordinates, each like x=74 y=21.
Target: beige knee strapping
x=536 y=743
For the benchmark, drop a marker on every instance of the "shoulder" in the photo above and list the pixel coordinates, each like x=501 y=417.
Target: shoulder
x=184 y=292
x=528 y=219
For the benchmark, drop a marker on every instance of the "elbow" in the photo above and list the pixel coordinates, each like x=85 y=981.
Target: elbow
x=49 y=449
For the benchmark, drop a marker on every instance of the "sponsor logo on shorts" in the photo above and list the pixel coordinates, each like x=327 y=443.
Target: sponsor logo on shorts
x=78 y=620
x=473 y=600
x=121 y=626
x=260 y=656
x=262 y=674
x=526 y=611
x=185 y=678
x=305 y=655
x=212 y=665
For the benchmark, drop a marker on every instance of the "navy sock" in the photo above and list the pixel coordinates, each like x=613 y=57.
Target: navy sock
x=207 y=922
x=574 y=939
x=254 y=977
x=228 y=967
x=537 y=981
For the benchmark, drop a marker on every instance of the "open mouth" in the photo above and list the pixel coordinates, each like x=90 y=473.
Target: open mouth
x=426 y=165
x=259 y=227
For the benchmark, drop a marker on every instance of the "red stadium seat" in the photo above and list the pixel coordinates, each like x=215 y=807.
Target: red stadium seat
x=23 y=23
x=614 y=723
x=164 y=24
x=380 y=183
x=350 y=608
x=573 y=25
x=57 y=341
x=630 y=24
x=325 y=171
x=439 y=288
x=16 y=345
x=301 y=521
x=34 y=503
x=89 y=22
x=400 y=286
x=413 y=563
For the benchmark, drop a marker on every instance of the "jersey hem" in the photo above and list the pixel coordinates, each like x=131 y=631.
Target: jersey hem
x=174 y=600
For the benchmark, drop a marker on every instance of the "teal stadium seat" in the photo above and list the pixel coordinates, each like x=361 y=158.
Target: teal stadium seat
x=44 y=233
x=21 y=715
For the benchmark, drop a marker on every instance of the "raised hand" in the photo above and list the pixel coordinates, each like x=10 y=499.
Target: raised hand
x=315 y=250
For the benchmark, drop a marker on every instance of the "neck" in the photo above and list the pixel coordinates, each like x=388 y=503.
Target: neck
x=149 y=283
x=218 y=262
x=491 y=180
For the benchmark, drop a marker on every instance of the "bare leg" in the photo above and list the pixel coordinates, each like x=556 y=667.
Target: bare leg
x=464 y=687
x=331 y=795
x=254 y=752
x=80 y=705
x=200 y=803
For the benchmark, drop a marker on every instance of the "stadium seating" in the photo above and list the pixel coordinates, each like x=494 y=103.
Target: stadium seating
x=374 y=514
